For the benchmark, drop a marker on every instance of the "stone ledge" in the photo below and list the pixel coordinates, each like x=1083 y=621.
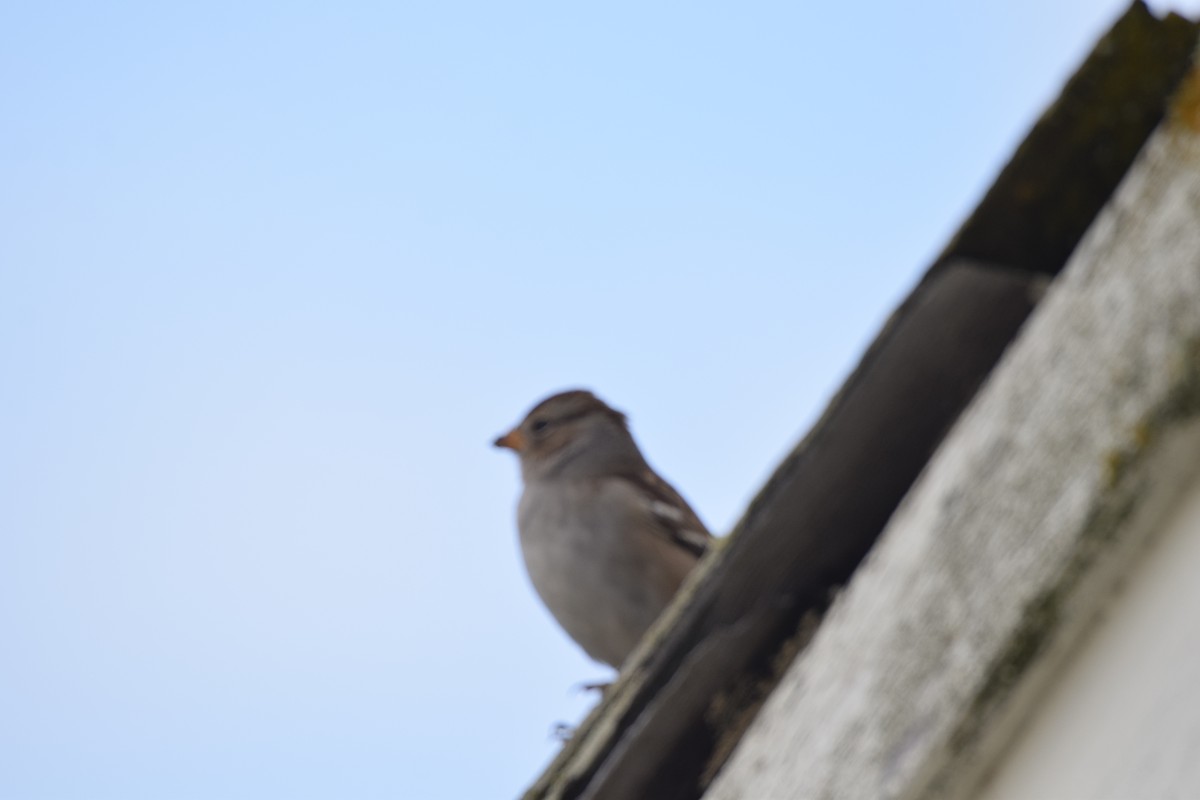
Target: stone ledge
x=1000 y=555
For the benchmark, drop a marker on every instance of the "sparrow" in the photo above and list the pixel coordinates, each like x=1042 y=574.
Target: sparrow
x=606 y=541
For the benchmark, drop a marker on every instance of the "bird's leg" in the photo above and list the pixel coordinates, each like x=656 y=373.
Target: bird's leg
x=592 y=686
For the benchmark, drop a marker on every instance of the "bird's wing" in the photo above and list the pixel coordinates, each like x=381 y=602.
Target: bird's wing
x=671 y=513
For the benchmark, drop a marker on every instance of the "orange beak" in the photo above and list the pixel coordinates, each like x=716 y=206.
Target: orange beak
x=513 y=440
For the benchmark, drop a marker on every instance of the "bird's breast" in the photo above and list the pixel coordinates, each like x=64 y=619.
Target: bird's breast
x=587 y=570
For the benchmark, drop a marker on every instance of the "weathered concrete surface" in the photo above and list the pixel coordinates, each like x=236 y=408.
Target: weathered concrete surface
x=1123 y=720
x=998 y=558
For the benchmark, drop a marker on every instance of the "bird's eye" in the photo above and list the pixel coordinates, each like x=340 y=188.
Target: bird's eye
x=539 y=425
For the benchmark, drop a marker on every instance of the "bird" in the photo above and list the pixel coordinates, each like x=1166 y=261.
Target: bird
x=606 y=541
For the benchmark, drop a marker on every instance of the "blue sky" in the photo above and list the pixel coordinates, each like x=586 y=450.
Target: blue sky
x=273 y=276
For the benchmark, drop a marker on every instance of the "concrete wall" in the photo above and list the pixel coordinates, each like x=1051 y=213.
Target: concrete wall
x=1122 y=719
x=995 y=569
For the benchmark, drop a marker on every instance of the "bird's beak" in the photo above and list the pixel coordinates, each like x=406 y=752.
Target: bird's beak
x=513 y=440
